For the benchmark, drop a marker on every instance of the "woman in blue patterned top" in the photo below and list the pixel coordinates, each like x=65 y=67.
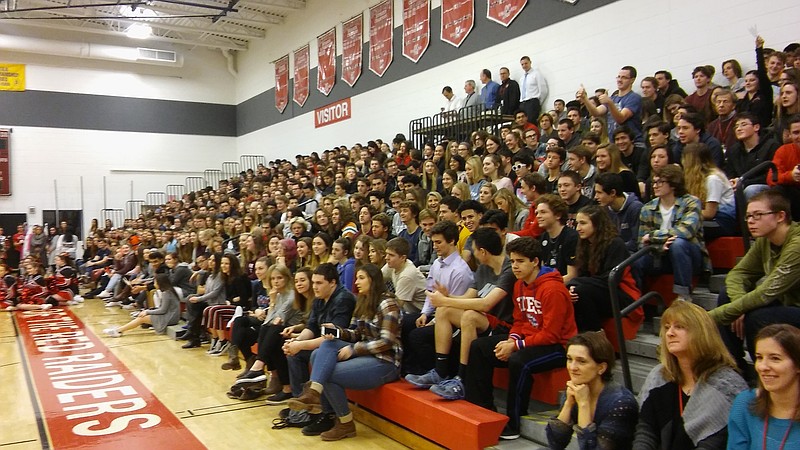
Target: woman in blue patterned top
x=602 y=414
x=364 y=356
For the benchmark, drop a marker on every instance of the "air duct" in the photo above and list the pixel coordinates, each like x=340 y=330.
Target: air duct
x=85 y=50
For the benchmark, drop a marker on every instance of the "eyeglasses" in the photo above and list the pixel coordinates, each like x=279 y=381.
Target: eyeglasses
x=757 y=215
x=658 y=182
x=530 y=136
x=517 y=166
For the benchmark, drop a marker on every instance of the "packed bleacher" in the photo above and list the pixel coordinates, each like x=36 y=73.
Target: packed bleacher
x=353 y=268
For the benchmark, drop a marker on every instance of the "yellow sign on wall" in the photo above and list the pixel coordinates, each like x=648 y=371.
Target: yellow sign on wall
x=12 y=77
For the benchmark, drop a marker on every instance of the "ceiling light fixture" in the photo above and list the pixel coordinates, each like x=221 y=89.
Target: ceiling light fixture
x=139 y=31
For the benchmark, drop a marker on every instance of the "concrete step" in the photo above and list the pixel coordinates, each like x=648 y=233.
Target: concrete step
x=640 y=368
x=174 y=330
x=704 y=298
x=645 y=344
x=716 y=282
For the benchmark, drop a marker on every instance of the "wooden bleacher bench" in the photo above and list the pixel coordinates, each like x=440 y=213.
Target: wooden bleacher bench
x=452 y=424
x=546 y=385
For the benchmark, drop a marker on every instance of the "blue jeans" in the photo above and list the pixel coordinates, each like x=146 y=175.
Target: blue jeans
x=358 y=372
x=683 y=259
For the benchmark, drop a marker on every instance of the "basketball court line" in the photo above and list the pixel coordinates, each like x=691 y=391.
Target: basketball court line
x=71 y=375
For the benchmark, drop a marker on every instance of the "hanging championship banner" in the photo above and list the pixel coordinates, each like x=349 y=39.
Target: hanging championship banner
x=5 y=164
x=416 y=28
x=380 y=37
x=458 y=18
x=326 y=61
x=352 y=39
x=301 y=75
x=504 y=11
x=282 y=83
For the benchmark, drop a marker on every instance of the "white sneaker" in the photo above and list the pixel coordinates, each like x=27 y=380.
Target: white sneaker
x=72 y=303
x=110 y=304
x=112 y=332
x=78 y=299
x=46 y=306
x=129 y=306
x=238 y=313
x=104 y=294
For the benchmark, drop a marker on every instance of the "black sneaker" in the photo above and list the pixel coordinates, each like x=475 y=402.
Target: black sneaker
x=323 y=423
x=279 y=398
x=284 y=413
x=509 y=433
x=253 y=376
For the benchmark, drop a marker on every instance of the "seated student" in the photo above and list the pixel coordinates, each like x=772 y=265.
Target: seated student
x=691 y=130
x=515 y=210
x=270 y=325
x=213 y=294
x=485 y=308
x=237 y=288
x=470 y=212
x=381 y=226
x=8 y=295
x=558 y=241
x=425 y=252
x=333 y=304
x=602 y=413
x=709 y=184
x=551 y=167
x=342 y=256
x=600 y=249
x=167 y=313
x=409 y=214
x=543 y=322
x=497 y=220
x=408 y=281
x=449 y=272
x=672 y=221
x=32 y=292
x=623 y=208
x=685 y=399
x=749 y=150
x=787 y=161
x=609 y=160
x=63 y=285
x=745 y=306
x=366 y=355
x=569 y=189
x=396 y=198
x=532 y=186
x=580 y=161
x=767 y=414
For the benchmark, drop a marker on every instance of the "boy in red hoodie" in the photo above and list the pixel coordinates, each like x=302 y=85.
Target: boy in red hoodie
x=543 y=322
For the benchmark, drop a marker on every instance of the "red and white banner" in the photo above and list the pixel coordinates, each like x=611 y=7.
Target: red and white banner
x=88 y=397
x=326 y=61
x=381 y=25
x=504 y=11
x=416 y=28
x=458 y=18
x=282 y=83
x=352 y=40
x=301 y=75
x=332 y=113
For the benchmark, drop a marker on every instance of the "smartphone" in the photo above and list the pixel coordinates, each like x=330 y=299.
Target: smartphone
x=332 y=331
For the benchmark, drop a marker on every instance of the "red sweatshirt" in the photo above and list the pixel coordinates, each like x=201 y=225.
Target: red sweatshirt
x=543 y=313
x=786 y=158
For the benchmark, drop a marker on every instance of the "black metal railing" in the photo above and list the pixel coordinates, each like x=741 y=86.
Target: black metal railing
x=614 y=279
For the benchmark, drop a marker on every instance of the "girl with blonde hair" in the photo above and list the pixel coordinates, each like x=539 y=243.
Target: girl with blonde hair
x=708 y=183
x=475 y=177
x=509 y=203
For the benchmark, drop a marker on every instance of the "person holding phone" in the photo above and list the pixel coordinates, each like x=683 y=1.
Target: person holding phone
x=364 y=356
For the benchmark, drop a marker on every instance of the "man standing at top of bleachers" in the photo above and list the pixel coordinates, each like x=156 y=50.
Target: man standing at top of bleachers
x=508 y=94
x=489 y=93
x=533 y=89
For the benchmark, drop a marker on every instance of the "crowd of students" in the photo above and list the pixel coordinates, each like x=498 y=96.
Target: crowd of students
x=356 y=267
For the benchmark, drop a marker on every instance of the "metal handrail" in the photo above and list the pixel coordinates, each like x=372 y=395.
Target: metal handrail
x=614 y=278
x=741 y=202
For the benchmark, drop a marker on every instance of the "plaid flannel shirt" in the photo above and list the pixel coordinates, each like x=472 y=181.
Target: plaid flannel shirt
x=687 y=223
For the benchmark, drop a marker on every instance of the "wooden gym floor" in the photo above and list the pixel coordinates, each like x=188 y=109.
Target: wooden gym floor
x=188 y=383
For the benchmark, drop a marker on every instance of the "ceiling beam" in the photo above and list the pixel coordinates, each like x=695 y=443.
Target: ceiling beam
x=285 y=4
x=218 y=44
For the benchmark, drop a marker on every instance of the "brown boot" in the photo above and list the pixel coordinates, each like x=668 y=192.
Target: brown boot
x=340 y=430
x=309 y=400
x=274 y=386
x=233 y=359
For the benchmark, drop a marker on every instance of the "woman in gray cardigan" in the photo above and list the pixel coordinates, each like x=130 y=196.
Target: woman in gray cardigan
x=167 y=313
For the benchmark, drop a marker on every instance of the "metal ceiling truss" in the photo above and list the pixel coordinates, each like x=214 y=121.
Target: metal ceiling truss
x=227 y=25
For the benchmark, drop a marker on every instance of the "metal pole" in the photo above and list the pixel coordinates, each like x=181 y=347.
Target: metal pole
x=131 y=197
x=105 y=194
x=83 y=216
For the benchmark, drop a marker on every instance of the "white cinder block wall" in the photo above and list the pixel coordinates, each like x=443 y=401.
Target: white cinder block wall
x=41 y=155
x=676 y=35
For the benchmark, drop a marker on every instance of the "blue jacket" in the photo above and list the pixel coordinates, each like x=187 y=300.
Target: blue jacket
x=347 y=273
x=710 y=141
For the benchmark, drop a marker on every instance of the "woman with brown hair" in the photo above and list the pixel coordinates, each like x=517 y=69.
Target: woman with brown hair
x=768 y=417
x=601 y=413
x=685 y=399
x=609 y=160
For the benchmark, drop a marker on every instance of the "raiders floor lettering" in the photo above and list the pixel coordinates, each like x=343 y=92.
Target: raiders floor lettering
x=88 y=397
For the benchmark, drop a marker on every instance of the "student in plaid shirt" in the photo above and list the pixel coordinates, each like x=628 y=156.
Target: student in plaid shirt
x=673 y=221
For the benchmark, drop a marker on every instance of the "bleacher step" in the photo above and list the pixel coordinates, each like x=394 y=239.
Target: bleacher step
x=640 y=368
x=174 y=330
x=645 y=344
